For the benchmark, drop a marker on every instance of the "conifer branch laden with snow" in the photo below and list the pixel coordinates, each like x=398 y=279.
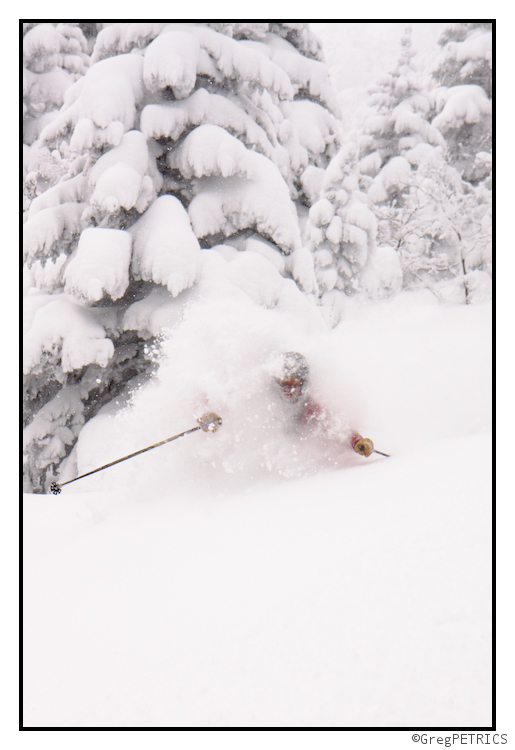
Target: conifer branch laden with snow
x=158 y=157
x=426 y=211
x=462 y=101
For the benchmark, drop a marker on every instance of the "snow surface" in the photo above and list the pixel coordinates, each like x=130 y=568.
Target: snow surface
x=253 y=579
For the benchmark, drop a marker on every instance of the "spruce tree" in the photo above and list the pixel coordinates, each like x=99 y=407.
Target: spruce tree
x=445 y=225
x=397 y=136
x=54 y=57
x=180 y=147
x=342 y=233
x=429 y=227
x=463 y=99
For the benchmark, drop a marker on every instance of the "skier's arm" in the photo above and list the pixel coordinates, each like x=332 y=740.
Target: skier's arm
x=313 y=413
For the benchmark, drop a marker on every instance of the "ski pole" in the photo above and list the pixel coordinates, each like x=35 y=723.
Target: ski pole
x=207 y=423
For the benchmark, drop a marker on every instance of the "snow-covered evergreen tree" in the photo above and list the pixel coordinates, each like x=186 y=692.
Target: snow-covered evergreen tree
x=478 y=258
x=186 y=152
x=429 y=227
x=358 y=227
x=444 y=227
x=443 y=233
x=397 y=135
x=55 y=55
x=463 y=100
x=342 y=233
x=437 y=223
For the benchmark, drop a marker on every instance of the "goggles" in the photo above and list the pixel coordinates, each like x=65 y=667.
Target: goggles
x=290 y=386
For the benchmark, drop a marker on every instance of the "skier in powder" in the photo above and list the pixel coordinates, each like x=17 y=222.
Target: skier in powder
x=292 y=379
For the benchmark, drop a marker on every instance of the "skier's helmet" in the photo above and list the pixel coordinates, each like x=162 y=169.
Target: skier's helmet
x=293 y=374
x=294 y=365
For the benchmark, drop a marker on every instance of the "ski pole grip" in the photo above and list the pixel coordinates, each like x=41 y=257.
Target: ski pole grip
x=210 y=422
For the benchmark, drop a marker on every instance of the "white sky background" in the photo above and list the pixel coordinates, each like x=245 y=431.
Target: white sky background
x=357 y=53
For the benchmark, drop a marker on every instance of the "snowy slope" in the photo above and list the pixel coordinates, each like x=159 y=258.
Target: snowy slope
x=164 y=593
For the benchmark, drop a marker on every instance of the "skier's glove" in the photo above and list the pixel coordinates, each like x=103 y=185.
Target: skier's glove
x=210 y=422
x=363 y=446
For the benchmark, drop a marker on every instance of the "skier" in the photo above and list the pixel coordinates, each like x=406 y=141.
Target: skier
x=292 y=379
